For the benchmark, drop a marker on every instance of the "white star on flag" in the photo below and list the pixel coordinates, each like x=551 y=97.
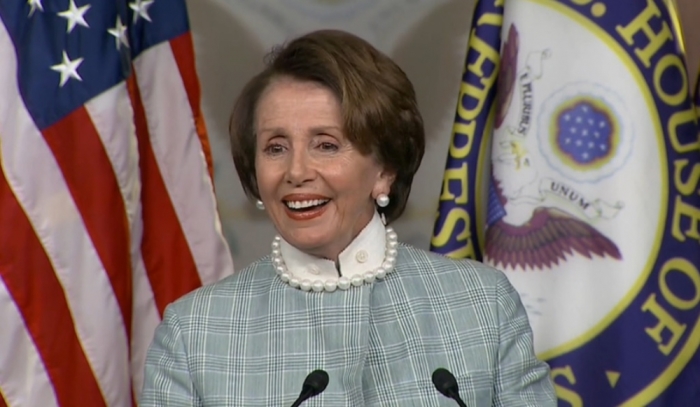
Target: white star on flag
x=119 y=33
x=75 y=15
x=68 y=69
x=34 y=5
x=140 y=8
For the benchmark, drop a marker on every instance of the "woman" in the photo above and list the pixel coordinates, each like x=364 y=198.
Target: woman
x=327 y=139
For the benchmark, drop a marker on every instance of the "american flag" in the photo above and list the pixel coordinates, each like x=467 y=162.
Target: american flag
x=107 y=209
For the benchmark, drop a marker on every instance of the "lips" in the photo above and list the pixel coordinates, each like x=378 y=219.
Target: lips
x=303 y=207
x=306 y=204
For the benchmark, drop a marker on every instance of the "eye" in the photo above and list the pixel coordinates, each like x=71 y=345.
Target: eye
x=274 y=149
x=327 y=146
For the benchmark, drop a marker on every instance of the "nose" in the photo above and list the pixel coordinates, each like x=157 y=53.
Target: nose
x=299 y=170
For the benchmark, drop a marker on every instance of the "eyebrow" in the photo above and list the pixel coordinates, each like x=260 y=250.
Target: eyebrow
x=318 y=129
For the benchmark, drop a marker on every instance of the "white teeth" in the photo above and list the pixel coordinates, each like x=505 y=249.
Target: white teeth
x=305 y=204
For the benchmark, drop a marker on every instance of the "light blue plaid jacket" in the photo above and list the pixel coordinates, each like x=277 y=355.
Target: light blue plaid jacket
x=250 y=340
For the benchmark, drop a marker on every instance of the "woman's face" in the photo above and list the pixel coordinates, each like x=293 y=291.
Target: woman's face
x=316 y=186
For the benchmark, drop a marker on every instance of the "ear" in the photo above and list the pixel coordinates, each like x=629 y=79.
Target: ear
x=385 y=179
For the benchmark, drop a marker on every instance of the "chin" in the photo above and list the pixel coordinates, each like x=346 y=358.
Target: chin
x=302 y=239
x=309 y=240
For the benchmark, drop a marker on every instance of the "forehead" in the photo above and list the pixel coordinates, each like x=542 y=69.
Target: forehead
x=291 y=103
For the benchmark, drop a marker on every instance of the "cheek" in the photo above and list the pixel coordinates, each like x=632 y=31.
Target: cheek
x=270 y=175
x=357 y=185
x=263 y=176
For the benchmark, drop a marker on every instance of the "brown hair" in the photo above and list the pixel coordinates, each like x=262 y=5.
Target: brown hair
x=378 y=103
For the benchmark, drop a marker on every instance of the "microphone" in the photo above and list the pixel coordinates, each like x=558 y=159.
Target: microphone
x=446 y=384
x=314 y=384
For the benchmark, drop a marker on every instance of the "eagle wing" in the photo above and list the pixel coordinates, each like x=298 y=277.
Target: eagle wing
x=544 y=240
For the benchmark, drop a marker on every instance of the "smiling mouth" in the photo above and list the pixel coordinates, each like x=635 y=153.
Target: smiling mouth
x=306 y=205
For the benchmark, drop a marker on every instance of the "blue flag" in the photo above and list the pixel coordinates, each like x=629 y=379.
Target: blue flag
x=574 y=167
x=457 y=229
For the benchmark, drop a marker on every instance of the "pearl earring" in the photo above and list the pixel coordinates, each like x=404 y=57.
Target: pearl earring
x=260 y=205
x=382 y=200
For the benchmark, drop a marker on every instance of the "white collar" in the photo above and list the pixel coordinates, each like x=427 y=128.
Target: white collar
x=371 y=254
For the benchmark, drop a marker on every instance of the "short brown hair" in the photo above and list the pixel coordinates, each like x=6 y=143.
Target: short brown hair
x=378 y=102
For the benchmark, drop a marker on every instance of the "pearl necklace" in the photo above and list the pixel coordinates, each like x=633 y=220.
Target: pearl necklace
x=343 y=283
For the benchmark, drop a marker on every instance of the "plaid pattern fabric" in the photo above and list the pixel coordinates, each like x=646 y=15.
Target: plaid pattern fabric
x=250 y=340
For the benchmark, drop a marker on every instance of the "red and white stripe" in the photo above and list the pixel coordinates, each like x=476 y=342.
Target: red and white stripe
x=106 y=217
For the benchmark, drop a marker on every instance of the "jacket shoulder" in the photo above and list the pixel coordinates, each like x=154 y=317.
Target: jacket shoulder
x=418 y=262
x=254 y=280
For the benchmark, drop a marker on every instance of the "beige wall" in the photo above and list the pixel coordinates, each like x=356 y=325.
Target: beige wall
x=426 y=38
x=689 y=12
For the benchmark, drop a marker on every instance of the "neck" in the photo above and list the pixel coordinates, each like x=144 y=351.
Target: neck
x=332 y=252
x=371 y=254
